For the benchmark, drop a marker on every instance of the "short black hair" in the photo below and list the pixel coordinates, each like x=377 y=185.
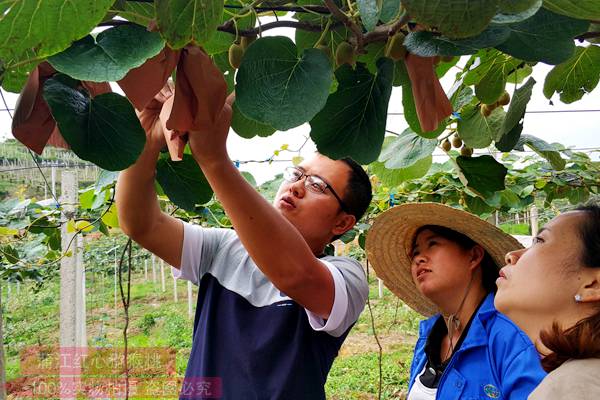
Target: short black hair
x=358 y=193
x=489 y=269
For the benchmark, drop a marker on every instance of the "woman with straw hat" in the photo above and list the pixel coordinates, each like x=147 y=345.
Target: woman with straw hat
x=443 y=263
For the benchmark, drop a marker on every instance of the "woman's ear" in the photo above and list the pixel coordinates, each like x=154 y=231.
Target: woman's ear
x=477 y=254
x=590 y=289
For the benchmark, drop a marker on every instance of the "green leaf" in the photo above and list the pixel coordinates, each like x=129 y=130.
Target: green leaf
x=543 y=149
x=182 y=22
x=389 y=10
x=105 y=180
x=47 y=26
x=352 y=123
x=139 y=13
x=546 y=37
x=578 y=195
x=369 y=13
x=582 y=9
x=484 y=175
x=4 y=231
x=277 y=88
x=111 y=217
x=394 y=177
x=247 y=128
x=428 y=44
x=575 y=77
x=405 y=150
x=490 y=76
x=511 y=11
x=15 y=71
x=510 y=139
x=110 y=56
x=516 y=110
x=477 y=206
x=453 y=18
x=11 y=254
x=104 y=130
x=478 y=131
x=183 y=181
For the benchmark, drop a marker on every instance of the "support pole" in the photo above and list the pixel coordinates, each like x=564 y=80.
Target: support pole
x=70 y=332
x=533 y=221
x=162 y=275
x=146 y=270
x=175 y=299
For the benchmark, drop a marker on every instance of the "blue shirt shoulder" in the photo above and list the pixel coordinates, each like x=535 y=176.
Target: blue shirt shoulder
x=496 y=359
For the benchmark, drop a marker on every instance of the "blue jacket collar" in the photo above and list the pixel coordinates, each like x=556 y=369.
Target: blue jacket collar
x=477 y=335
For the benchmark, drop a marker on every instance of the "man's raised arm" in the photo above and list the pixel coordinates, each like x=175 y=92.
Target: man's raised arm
x=140 y=216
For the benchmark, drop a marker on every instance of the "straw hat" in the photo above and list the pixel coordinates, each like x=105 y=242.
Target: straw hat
x=389 y=242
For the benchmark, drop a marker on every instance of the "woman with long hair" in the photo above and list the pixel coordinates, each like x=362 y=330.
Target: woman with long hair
x=443 y=263
x=552 y=291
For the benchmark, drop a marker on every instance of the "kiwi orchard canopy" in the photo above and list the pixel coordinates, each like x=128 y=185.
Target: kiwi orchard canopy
x=337 y=75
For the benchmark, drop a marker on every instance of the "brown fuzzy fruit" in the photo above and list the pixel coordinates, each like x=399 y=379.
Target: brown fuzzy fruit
x=504 y=99
x=446 y=145
x=395 y=47
x=247 y=41
x=485 y=110
x=344 y=54
x=466 y=151
x=236 y=53
x=456 y=141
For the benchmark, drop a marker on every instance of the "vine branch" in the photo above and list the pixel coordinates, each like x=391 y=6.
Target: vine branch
x=339 y=15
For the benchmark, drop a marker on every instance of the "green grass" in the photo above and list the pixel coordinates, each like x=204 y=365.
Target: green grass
x=155 y=320
x=515 y=229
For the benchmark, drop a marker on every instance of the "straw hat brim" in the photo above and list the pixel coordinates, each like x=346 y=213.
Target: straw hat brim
x=389 y=243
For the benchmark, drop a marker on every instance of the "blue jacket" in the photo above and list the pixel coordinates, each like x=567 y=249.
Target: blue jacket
x=495 y=361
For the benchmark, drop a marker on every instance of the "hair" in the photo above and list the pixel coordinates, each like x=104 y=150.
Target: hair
x=489 y=269
x=358 y=193
x=581 y=340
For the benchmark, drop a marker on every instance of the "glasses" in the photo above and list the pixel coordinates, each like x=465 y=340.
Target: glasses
x=313 y=183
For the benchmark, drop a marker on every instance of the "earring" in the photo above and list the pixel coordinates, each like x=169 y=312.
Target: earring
x=577 y=298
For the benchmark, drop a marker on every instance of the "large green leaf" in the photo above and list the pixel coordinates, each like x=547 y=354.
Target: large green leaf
x=405 y=150
x=247 y=128
x=543 y=149
x=490 y=76
x=188 y=21
x=546 y=37
x=277 y=88
x=478 y=131
x=15 y=71
x=453 y=18
x=576 y=76
x=516 y=110
x=352 y=123
x=484 y=175
x=428 y=44
x=48 y=26
x=110 y=56
x=369 y=13
x=104 y=130
x=394 y=177
x=183 y=181
x=510 y=139
x=583 y=9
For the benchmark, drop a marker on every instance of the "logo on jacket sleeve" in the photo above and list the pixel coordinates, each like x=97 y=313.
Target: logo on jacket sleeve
x=491 y=391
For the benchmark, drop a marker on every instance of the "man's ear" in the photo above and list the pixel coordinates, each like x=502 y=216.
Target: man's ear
x=343 y=224
x=590 y=289
x=477 y=254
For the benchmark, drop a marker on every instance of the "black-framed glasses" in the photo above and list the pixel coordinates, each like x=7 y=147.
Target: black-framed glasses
x=314 y=183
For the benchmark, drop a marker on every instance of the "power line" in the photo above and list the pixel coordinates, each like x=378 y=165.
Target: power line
x=532 y=112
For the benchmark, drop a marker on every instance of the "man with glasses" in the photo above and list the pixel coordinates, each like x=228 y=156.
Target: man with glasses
x=272 y=309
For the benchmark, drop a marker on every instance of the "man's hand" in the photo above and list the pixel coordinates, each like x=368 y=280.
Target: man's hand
x=210 y=146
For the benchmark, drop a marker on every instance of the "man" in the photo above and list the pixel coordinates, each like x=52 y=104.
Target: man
x=272 y=311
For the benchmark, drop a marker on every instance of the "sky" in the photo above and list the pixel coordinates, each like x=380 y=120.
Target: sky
x=580 y=130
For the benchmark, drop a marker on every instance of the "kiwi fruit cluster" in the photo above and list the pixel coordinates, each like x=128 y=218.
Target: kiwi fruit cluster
x=503 y=100
x=456 y=142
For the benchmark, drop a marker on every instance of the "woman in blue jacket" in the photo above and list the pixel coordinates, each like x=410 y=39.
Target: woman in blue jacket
x=443 y=263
